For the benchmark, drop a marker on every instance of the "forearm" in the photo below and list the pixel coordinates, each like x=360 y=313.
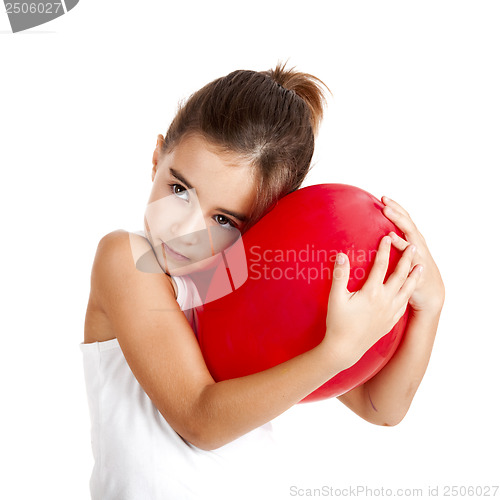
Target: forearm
x=388 y=395
x=228 y=409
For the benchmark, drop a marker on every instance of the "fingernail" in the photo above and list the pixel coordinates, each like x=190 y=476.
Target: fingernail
x=340 y=258
x=413 y=249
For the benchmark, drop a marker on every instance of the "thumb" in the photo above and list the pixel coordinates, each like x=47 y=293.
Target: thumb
x=341 y=273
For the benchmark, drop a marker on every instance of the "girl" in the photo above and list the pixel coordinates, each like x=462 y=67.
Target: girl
x=161 y=426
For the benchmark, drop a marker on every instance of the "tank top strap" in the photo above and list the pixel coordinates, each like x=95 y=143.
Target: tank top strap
x=181 y=290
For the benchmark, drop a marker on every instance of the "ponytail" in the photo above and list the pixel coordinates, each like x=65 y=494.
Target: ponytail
x=306 y=86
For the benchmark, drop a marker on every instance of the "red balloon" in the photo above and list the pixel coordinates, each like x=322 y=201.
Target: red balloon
x=280 y=309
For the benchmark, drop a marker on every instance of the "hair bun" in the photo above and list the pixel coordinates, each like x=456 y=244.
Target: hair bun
x=306 y=86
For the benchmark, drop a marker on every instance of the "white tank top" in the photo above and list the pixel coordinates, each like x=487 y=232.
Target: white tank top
x=138 y=456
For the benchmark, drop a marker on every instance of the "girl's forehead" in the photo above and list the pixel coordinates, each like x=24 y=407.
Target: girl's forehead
x=194 y=146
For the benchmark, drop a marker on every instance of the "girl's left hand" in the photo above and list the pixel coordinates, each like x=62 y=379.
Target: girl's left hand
x=429 y=294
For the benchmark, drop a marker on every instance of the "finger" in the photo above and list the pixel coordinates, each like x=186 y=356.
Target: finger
x=400 y=274
x=392 y=208
x=401 y=220
x=380 y=264
x=401 y=244
x=394 y=205
x=410 y=284
x=341 y=273
x=398 y=242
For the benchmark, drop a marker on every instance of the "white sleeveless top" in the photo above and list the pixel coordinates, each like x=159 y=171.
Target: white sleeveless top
x=138 y=456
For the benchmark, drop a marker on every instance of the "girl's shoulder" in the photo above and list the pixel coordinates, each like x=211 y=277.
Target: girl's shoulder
x=128 y=252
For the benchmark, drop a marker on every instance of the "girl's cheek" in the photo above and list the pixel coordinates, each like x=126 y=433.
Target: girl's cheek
x=222 y=238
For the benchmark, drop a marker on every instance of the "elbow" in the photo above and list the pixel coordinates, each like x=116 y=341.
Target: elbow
x=202 y=439
x=389 y=420
x=202 y=433
x=205 y=445
x=200 y=426
x=204 y=428
x=389 y=423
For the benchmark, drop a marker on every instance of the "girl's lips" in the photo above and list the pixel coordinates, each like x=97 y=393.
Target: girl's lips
x=172 y=253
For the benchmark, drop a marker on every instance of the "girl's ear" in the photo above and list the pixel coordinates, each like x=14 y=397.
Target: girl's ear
x=159 y=141
x=155 y=168
x=156 y=154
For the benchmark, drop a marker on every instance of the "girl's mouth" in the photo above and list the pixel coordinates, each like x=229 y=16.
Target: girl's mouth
x=173 y=254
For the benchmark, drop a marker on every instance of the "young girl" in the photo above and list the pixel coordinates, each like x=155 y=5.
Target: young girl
x=161 y=426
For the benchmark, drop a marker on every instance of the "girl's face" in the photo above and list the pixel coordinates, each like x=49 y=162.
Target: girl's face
x=198 y=205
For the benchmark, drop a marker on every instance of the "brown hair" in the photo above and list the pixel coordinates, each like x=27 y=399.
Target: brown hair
x=269 y=118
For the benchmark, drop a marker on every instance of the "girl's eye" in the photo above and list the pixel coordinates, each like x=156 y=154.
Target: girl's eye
x=223 y=221
x=180 y=191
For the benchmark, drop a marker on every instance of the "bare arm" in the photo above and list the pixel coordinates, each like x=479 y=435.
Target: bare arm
x=162 y=351
x=386 y=398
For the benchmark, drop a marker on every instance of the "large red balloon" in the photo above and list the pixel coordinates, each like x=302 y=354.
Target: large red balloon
x=279 y=311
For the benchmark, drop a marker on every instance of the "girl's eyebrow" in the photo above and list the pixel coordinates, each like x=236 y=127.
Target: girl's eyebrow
x=180 y=177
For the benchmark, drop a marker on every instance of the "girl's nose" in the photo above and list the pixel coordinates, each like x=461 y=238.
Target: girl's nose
x=189 y=227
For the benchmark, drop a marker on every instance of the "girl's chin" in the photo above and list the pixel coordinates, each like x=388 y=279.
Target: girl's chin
x=178 y=269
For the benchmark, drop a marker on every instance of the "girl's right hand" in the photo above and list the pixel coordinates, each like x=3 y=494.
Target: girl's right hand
x=357 y=320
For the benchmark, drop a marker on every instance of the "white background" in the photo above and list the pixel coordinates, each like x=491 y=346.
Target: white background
x=414 y=115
